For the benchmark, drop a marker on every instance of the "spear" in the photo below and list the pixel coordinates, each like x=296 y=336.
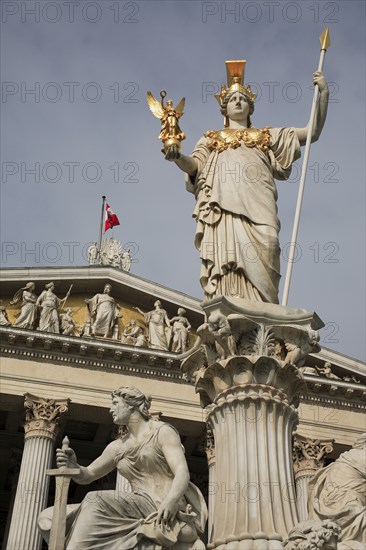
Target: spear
x=324 y=45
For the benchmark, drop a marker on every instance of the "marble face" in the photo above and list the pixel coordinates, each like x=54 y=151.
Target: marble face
x=120 y=411
x=237 y=107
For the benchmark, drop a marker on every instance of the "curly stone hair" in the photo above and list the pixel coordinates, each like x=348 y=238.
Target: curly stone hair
x=135 y=399
x=312 y=535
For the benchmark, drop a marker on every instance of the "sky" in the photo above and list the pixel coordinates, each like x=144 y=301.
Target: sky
x=76 y=126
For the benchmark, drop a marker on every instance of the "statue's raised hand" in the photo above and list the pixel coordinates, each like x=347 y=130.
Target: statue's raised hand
x=172 y=153
x=319 y=80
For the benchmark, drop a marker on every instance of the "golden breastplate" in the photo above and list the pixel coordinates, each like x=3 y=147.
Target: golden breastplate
x=219 y=140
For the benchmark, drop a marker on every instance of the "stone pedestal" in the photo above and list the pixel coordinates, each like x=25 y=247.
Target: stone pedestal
x=245 y=367
x=308 y=457
x=32 y=491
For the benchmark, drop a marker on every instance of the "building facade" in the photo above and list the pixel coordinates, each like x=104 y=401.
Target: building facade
x=57 y=376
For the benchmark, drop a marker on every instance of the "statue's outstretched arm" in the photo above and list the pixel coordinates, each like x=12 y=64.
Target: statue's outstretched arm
x=321 y=111
x=189 y=165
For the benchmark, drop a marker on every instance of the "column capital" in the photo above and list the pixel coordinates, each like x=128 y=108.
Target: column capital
x=244 y=342
x=309 y=454
x=41 y=415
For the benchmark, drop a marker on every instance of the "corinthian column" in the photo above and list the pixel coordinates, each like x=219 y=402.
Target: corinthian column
x=245 y=366
x=308 y=457
x=40 y=429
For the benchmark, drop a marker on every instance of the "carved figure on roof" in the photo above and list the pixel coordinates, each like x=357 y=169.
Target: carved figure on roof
x=158 y=327
x=49 y=305
x=180 y=327
x=111 y=252
x=338 y=493
x=126 y=260
x=231 y=172
x=28 y=311
x=326 y=370
x=104 y=312
x=133 y=335
x=68 y=324
x=93 y=253
x=164 y=510
x=4 y=319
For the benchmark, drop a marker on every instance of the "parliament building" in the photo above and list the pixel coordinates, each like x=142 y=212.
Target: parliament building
x=58 y=381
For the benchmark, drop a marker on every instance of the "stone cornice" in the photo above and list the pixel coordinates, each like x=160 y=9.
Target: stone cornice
x=112 y=356
x=89 y=353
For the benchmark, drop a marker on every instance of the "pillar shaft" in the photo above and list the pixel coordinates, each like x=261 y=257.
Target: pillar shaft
x=32 y=490
x=255 y=494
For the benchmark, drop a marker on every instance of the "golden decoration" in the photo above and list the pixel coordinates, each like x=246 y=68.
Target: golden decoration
x=220 y=140
x=235 y=82
x=170 y=133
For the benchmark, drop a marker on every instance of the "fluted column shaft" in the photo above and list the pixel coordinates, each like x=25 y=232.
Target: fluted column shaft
x=255 y=504
x=32 y=490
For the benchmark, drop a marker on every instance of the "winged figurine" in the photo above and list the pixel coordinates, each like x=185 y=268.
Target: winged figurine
x=170 y=132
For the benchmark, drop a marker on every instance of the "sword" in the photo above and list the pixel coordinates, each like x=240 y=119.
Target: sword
x=63 y=478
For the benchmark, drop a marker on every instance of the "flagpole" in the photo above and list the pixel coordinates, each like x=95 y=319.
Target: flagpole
x=324 y=44
x=101 y=228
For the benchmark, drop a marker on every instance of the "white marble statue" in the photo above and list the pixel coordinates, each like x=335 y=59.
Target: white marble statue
x=158 y=325
x=126 y=260
x=164 y=510
x=338 y=493
x=28 y=311
x=49 y=304
x=111 y=252
x=180 y=327
x=231 y=173
x=314 y=535
x=133 y=335
x=68 y=324
x=4 y=319
x=93 y=253
x=104 y=312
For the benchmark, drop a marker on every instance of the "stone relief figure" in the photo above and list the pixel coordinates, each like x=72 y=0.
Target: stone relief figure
x=93 y=253
x=133 y=335
x=28 y=311
x=180 y=328
x=338 y=493
x=313 y=535
x=231 y=172
x=218 y=327
x=104 y=312
x=49 y=304
x=4 y=320
x=111 y=252
x=164 y=510
x=126 y=260
x=326 y=370
x=158 y=326
x=68 y=325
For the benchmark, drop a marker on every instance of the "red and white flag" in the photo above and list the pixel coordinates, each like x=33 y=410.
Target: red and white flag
x=110 y=218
